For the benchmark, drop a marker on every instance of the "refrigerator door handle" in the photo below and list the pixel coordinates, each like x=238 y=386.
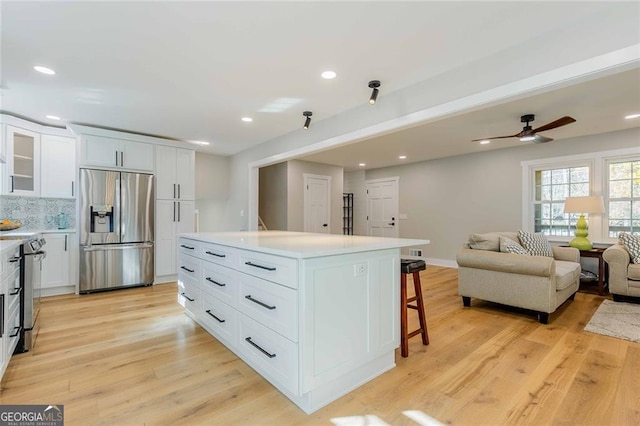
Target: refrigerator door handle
x=105 y=247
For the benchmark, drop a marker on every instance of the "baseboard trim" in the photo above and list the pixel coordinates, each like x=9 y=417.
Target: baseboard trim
x=442 y=262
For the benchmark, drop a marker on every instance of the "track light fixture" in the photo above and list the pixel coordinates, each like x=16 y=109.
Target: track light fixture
x=374 y=84
x=307 y=114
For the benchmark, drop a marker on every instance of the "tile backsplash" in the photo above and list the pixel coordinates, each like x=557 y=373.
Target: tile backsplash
x=37 y=213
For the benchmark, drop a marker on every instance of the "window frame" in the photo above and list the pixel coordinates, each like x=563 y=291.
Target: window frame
x=598 y=163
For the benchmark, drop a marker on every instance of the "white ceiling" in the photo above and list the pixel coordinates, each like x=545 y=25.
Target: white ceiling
x=190 y=70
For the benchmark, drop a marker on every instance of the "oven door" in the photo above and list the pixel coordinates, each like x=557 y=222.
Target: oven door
x=32 y=293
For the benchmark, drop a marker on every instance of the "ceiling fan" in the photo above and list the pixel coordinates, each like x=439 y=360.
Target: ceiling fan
x=529 y=134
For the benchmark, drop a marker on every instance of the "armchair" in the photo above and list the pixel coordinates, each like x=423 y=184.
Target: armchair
x=624 y=276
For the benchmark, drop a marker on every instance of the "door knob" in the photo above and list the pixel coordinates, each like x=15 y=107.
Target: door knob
x=324 y=224
x=392 y=224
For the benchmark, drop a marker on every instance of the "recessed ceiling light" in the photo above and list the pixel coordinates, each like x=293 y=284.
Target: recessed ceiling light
x=328 y=75
x=201 y=142
x=632 y=116
x=247 y=119
x=362 y=164
x=484 y=142
x=44 y=70
x=53 y=117
x=402 y=157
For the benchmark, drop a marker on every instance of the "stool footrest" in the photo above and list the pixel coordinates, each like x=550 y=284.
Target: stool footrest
x=414 y=333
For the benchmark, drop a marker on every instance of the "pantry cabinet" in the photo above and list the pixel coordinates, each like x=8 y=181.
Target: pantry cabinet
x=172 y=218
x=175 y=173
x=102 y=151
x=58 y=172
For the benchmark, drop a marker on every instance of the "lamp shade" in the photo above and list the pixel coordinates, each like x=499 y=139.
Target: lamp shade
x=582 y=205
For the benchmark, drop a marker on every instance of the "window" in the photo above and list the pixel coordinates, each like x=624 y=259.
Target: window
x=623 y=203
x=552 y=187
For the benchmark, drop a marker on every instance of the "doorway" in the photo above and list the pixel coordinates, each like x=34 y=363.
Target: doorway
x=316 y=203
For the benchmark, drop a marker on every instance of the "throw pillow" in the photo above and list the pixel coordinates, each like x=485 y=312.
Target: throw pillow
x=487 y=241
x=535 y=244
x=507 y=245
x=632 y=244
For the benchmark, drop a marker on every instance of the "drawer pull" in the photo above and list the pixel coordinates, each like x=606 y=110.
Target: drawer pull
x=14 y=259
x=215 y=254
x=255 y=265
x=218 y=319
x=17 y=331
x=271 y=308
x=248 y=339
x=187 y=297
x=15 y=291
x=187 y=247
x=215 y=282
x=187 y=269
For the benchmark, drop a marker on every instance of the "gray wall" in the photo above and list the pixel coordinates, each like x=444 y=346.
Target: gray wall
x=212 y=190
x=449 y=198
x=296 y=171
x=272 y=199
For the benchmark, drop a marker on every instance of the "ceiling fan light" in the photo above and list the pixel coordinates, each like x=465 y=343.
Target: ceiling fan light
x=527 y=138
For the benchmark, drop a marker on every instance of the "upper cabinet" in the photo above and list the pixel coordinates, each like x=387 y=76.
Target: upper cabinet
x=175 y=173
x=115 y=153
x=58 y=154
x=22 y=167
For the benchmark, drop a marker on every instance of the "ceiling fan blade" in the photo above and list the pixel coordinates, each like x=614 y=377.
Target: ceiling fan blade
x=558 y=123
x=496 y=137
x=541 y=139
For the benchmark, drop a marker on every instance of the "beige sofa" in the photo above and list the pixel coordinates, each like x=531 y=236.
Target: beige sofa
x=624 y=276
x=537 y=283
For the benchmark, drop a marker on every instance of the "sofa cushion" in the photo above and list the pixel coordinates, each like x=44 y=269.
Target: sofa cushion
x=633 y=272
x=567 y=273
x=536 y=244
x=489 y=241
x=507 y=245
x=632 y=244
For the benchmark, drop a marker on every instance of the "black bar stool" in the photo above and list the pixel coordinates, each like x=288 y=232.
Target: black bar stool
x=411 y=266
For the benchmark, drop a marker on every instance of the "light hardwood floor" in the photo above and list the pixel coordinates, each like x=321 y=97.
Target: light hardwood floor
x=132 y=357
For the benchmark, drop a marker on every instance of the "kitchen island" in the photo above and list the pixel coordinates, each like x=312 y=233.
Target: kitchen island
x=317 y=315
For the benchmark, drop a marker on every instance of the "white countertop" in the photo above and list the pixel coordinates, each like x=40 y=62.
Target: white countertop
x=302 y=244
x=26 y=233
x=9 y=244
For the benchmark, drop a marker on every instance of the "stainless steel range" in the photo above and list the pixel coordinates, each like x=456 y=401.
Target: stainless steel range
x=33 y=254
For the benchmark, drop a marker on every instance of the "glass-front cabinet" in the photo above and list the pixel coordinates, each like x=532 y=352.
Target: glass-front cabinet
x=22 y=162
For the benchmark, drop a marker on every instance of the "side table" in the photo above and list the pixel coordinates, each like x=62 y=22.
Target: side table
x=603 y=269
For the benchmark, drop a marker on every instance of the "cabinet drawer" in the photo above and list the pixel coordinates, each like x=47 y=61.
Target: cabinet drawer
x=270 y=304
x=275 y=357
x=189 y=266
x=281 y=270
x=220 y=282
x=188 y=295
x=13 y=291
x=190 y=247
x=222 y=255
x=12 y=330
x=220 y=317
x=10 y=262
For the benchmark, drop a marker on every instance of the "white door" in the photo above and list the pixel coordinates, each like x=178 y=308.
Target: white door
x=316 y=203
x=55 y=266
x=165 y=244
x=185 y=175
x=136 y=155
x=186 y=219
x=165 y=173
x=382 y=207
x=99 y=151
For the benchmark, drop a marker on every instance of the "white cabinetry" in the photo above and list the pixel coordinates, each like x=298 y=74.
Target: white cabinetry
x=175 y=205
x=56 y=266
x=58 y=169
x=315 y=324
x=175 y=173
x=9 y=304
x=110 y=152
x=22 y=167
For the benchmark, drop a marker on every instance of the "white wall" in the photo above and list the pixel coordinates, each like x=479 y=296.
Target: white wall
x=212 y=191
x=449 y=198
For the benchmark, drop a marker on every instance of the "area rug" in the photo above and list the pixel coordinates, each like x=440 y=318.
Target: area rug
x=616 y=319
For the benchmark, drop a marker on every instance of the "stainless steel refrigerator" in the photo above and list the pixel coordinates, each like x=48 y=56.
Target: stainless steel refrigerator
x=116 y=229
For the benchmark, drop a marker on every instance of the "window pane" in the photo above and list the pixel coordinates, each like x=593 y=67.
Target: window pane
x=559 y=176
x=620 y=189
x=620 y=209
x=579 y=189
x=545 y=177
x=619 y=171
x=546 y=211
x=560 y=192
x=636 y=169
x=546 y=193
x=635 y=190
x=635 y=209
x=579 y=174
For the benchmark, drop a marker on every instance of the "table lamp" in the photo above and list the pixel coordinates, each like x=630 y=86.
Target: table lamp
x=583 y=205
